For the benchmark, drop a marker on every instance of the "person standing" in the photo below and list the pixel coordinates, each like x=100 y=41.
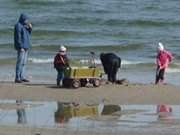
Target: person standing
x=22 y=32
x=60 y=63
x=111 y=63
x=162 y=60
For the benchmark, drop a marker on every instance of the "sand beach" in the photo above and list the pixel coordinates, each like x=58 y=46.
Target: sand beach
x=116 y=94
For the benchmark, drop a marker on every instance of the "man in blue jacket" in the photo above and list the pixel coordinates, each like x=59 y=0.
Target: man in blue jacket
x=22 y=33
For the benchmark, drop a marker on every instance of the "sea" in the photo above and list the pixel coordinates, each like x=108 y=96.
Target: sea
x=129 y=28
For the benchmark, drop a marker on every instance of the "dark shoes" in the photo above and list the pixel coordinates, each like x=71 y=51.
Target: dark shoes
x=21 y=81
x=18 y=81
x=25 y=80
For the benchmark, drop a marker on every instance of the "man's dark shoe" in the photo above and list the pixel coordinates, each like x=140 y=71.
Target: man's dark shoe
x=25 y=80
x=18 y=81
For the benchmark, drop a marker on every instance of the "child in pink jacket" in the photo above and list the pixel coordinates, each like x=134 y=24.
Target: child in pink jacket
x=162 y=60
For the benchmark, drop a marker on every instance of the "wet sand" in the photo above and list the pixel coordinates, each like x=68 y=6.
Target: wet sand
x=24 y=130
x=114 y=94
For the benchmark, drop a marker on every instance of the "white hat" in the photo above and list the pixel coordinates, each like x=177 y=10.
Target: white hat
x=160 y=46
x=62 y=48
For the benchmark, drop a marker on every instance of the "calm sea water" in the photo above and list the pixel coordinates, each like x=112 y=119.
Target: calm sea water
x=131 y=29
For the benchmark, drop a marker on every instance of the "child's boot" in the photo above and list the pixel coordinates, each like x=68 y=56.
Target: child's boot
x=162 y=81
x=58 y=83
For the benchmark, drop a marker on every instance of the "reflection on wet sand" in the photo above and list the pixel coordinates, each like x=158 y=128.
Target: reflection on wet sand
x=99 y=117
x=65 y=111
x=164 y=112
x=21 y=113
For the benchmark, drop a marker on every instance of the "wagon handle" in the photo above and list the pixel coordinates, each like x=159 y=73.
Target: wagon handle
x=92 y=59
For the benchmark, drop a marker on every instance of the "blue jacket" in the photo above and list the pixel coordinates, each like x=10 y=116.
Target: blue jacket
x=22 y=33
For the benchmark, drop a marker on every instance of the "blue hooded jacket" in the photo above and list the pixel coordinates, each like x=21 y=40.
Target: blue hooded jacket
x=22 y=33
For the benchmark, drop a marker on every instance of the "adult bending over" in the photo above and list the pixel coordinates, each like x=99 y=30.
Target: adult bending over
x=111 y=63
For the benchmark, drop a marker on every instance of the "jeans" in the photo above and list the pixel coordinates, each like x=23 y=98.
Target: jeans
x=20 y=64
x=60 y=76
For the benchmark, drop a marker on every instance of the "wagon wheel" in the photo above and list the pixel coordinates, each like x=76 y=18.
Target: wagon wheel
x=83 y=82
x=96 y=82
x=76 y=84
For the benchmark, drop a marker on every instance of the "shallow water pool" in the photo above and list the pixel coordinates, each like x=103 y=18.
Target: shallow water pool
x=130 y=118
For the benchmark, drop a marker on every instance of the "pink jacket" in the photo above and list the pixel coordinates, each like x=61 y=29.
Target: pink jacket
x=163 y=58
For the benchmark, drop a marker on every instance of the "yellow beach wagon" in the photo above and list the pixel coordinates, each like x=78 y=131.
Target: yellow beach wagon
x=80 y=76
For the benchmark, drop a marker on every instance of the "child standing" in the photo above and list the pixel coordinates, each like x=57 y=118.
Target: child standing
x=162 y=60
x=60 y=63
